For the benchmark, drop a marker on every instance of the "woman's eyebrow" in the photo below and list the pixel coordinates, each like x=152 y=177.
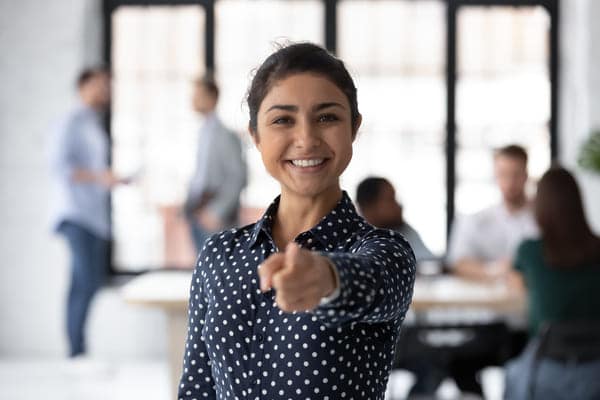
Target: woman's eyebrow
x=284 y=107
x=293 y=108
x=322 y=106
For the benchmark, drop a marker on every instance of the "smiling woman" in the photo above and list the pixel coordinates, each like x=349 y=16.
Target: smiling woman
x=309 y=300
x=304 y=135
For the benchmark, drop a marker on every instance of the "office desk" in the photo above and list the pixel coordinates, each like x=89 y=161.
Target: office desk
x=447 y=291
x=168 y=291
x=453 y=322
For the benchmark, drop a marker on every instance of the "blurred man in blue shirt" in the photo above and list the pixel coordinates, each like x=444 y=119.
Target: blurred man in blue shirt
x=83 y=179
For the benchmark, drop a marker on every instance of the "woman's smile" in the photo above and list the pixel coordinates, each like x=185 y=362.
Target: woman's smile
x=308 y=163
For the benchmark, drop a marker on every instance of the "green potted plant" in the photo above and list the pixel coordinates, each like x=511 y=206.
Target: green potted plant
x=589 y=157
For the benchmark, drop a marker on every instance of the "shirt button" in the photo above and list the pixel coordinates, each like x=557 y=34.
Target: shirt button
x=260 y=337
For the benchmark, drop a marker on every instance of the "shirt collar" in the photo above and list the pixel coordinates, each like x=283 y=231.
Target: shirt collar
x=86 y=109
x=335 y=227
x=211 y=118
x=504 y=212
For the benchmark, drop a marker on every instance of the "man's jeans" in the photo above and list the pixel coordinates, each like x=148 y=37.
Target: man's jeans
x=89 y=256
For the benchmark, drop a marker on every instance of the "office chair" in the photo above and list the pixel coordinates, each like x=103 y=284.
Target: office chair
x=568 y=342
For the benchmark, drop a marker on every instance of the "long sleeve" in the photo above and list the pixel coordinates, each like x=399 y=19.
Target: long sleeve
x=255 y=350
x=376 y=281
x=196 y=381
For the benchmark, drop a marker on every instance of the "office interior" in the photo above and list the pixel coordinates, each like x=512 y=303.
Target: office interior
x=521 y=72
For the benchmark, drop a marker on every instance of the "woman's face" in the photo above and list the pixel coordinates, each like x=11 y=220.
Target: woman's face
x=304 y=134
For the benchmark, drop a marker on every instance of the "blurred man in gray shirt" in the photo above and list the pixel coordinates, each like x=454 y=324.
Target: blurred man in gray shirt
x=213 y=197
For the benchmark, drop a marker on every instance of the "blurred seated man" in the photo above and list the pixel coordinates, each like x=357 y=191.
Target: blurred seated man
x=377 y=203
x=482 y=245
x=561 y=272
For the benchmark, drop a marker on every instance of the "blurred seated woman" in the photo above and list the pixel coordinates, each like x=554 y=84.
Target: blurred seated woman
x=561 y=272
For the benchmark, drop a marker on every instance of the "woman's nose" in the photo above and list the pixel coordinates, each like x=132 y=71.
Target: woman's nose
x=307 y=135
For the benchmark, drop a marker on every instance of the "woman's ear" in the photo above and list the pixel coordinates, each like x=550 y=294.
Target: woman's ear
x=356 y=126
x=254 y=135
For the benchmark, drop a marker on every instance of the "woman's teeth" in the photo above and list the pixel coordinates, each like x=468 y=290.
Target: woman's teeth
x=308 y=163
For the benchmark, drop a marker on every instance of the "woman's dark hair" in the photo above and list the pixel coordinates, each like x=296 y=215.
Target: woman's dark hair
x=369 y=190
x=567 y=238
x=299 y=58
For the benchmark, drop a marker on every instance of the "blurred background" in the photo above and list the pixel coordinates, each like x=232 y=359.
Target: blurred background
x=440 y=85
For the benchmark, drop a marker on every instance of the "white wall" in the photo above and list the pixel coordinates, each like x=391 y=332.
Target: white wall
x=580 y=93
x=44 y=44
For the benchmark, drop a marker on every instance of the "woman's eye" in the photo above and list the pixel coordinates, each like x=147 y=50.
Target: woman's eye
x=327 y=118
x=282 y=121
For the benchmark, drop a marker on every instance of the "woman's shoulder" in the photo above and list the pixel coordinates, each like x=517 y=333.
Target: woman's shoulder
x=529 y=249
x=369 y=234
x=531 y=244
x=228 y=238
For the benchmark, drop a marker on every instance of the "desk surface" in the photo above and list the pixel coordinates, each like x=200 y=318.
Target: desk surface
x=447 y=291
x=167 y=289
x=171 y=289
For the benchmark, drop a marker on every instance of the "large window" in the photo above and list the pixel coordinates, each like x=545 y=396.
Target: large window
x=398 y=64
x=503 y=95
x=156 y=53
x=441 y=84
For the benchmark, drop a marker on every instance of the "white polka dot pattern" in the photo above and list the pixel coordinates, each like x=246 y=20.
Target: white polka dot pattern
x=241 y=346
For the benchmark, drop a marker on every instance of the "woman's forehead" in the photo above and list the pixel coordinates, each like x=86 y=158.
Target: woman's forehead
x=303 y=89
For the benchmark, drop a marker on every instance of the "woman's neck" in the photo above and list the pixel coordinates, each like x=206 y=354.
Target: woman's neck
x=297 y=214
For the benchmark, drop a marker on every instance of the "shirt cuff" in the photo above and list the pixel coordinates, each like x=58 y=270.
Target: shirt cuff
x=336 y=293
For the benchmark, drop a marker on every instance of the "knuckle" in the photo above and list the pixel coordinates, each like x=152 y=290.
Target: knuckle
x=284 y=305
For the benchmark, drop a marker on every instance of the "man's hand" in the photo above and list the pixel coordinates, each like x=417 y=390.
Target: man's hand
x=209 y=221
x=104 y=178
x=301 y=278
x=483 y=272
x=108 y=179
x=498 y=269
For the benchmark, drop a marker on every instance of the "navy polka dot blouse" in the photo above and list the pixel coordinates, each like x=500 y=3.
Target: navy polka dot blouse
x=241 y=346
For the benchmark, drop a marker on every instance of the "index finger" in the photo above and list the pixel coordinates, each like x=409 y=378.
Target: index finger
x=268 y=268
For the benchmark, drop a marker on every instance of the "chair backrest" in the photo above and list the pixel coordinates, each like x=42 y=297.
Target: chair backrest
x=445 y=341
x=570 y=341
x=566 y=342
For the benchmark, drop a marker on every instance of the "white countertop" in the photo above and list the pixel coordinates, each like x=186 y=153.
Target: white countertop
x=161 y=288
